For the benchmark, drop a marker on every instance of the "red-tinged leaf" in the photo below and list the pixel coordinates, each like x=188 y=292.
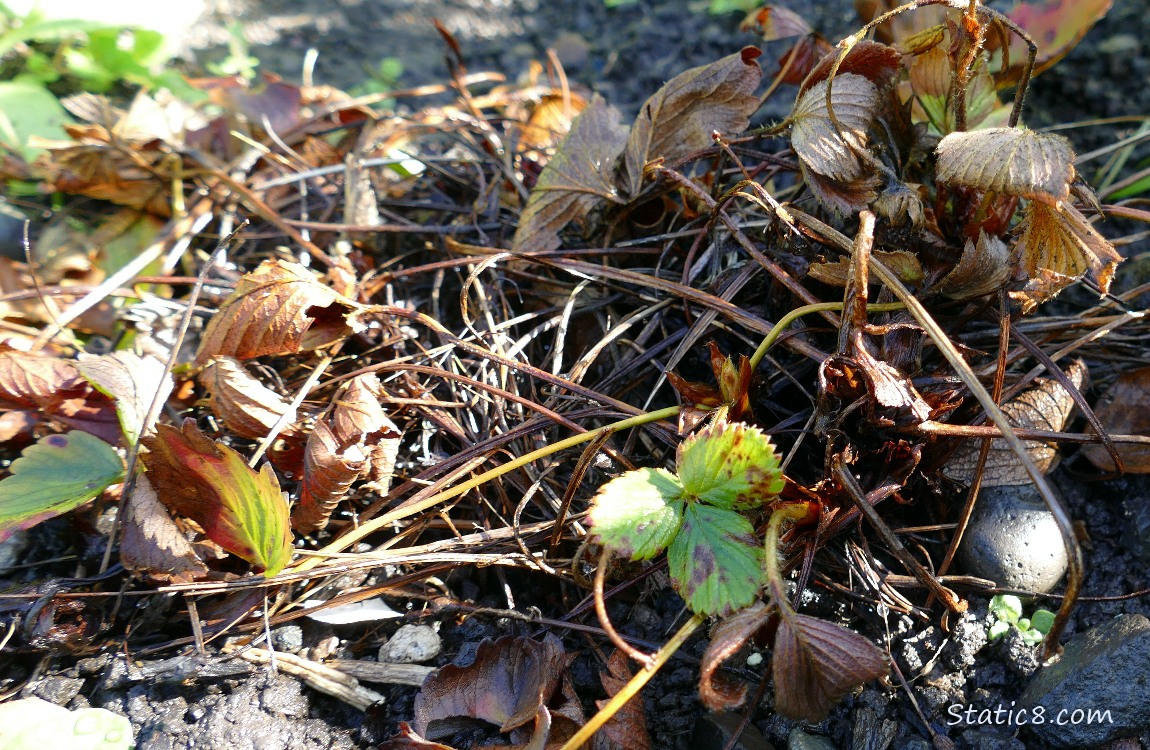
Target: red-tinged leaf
x=280 y=308
x=729 y=465
x=131 y=381
x=266 y=105
x=774 y=22
x=627 y=728
x=875 y=62
x=1124 y=409
x=815 y=663
x=680 y=118
x=577 y=179
x=508 y=685
x=238 y=508
x=1056 y=26
x=801 y=59
x=328 y=474
x=842 y=198
x=727 y=638
x=245 y=405
x=695 y=393
x=55 y=475
x=152 y=544
x=1012 y=161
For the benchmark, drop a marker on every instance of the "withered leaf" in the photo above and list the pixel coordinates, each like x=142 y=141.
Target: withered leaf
x=679 y=119
x=873 y=61
x=578 y=178
x=903 y=262
x=843 y=198
x=983 y=269
x=280 y=308
x=814 y=137
x=409 y=739
x=1060 y=26
x=627 y=729
x=774 y=22
x=1045 y=406
x=131 y=381
x=152 y=543
x=38 y=380
x=1012 y=161
x=1059 y=239
x=1124 y=409
x=815 y=663
x=248 y=407
x=727 y=638
x=801 y=59
x=507 y=685
x=328 y=473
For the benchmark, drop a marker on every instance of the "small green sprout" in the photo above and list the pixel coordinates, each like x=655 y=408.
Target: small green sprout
x=1007 y=610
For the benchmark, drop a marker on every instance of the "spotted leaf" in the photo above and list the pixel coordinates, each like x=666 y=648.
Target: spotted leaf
x=638 y=514
x=730 y=465
x=715 y=562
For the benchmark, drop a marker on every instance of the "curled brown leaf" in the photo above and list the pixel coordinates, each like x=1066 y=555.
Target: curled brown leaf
x=280 y=308
x=821 y=146
x=1125 y=409
x=240 y=401
x=1012 y=161
x=730 y=635
x=152 y=544
x=329 y=471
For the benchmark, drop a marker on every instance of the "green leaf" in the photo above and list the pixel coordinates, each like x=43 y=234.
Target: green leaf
x=730 y=465
x=238 y=508
x=715 y=562
x=997 y=630
x=1042 y=620
x=1032 y=637
x=639 y=513
x=1006 y=607
x=28 y=109
x=55 y=475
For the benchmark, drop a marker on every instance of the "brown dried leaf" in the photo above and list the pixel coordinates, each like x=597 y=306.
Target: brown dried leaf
x=550 y=120
x=679 y=119
x=627 y=729
x=875 y=62
x=903 y=262
x=774 y=22
x=843 y=198
x=280 y=308
x=816 y=663
x=578 y=178
x=727 y=638
x=1046 y=406
x=131 y=381
x=328 y=473
x=983 y=269
x=38 y=381
x=152 y=543
x=507 y=685
x=1124 y=410
x=240 y=401
x=1012 y=161
x=801 y=59
x=816 y=141
x=1056 y=246
x=409 y=739
x=359 y=419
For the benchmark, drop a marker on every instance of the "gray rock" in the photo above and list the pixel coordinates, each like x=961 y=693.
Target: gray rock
x=913 y=743
x=288 y=638
x=58 y=690
x=716 y=730
x=991 y=739
x=411 y=644
x=1014 y=541
x=1107 y=670
x=800 y=740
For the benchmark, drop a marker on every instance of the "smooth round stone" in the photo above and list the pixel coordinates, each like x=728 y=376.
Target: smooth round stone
x=1014 y=541
x=411 y=644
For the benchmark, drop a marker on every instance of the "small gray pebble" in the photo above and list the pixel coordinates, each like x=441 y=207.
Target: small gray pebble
x=800 y=740
x=411 y=644
x=1014 y=541
x=288 y=638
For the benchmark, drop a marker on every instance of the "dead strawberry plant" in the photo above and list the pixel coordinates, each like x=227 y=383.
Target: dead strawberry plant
x=467 y=342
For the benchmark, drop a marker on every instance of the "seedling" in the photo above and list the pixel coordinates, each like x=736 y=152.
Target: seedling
x=1007 y=610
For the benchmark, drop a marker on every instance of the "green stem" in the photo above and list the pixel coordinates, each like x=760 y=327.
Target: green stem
x=771 y=565
x=345 y=541
x=798 y=312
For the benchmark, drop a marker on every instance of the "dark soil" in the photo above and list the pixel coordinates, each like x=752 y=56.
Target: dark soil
x=626 y=54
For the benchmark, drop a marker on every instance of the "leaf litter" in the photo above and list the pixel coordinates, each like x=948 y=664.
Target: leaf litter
x=417 y=371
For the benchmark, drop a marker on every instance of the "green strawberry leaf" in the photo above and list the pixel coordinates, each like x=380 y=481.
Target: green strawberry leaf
x=730 y=465
x=638 y=514
x=1042 y=620
x=55 y=475
x=715 y=562
x=1006 y=607
x=238 y=508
